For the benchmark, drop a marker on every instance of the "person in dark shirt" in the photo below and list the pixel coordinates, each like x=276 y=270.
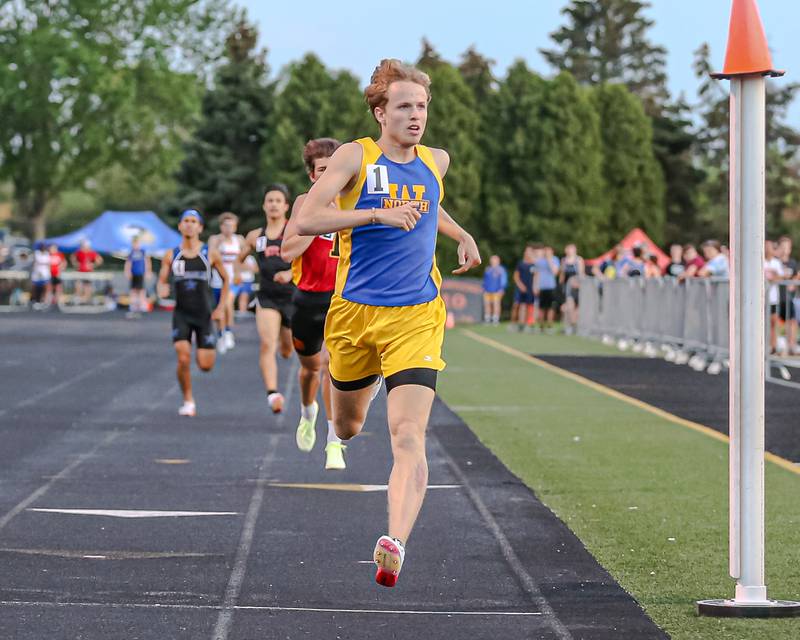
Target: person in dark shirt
x=523 y=279
x=786 y=306
x=676 y=266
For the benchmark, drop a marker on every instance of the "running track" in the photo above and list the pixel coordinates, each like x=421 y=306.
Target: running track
x=88 y=422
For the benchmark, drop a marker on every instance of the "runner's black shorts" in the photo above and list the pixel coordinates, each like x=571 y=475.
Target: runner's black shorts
x=282 y=305
x=546 y=298
x=308 y=321
x=137 y=282
x=185 y=325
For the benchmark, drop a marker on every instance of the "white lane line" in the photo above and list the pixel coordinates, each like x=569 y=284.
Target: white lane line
x=225 y=618
x=66 y=383
x=38 y=493
x=136 y=513
x=512 y=559
x=207 y=607
x=344 y=486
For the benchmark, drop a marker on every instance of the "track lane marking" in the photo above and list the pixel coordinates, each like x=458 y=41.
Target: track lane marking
x=225 y=619
x=38 y=493
x=525 y=579
x=613 y=393
x=211 y=607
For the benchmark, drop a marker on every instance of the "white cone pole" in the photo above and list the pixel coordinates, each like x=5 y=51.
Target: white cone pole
x=748 y=331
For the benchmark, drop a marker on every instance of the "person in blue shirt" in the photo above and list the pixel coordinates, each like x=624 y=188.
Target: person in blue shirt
x=523 y=278
x=495 y=281
x=547 y=266
x=138 y=269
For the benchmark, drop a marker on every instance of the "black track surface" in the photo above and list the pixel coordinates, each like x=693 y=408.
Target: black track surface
x=88 y=421
x=689 y=394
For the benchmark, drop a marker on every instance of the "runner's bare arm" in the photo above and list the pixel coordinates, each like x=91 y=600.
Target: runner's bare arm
x=162 y=286
x=247 y=249
x=468 y=254
x=215 y=258
x=316 y=217
x=293 y=244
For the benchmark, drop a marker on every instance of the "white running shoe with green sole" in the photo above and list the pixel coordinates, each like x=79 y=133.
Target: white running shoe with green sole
x=334 y=458
x=306 y=434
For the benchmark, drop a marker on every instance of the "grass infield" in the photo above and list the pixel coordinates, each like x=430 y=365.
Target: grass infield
x=648 y=497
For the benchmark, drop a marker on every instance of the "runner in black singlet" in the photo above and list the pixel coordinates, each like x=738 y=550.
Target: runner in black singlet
x=275 y=289
x=190 y=265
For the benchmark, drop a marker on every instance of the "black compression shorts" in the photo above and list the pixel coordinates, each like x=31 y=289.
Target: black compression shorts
x=308 y=328
x=282 y=305
x=185 y=325
x=546 y=298
x=137 y=282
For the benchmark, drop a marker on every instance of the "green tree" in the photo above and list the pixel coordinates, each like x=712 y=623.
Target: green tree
x=453 y=124
x=476 y=70
x=606 y=41
x=545 y=178
x=221 y=170
x=85 y=84
x=634 y=184
x=313 y=103
x=783 y=144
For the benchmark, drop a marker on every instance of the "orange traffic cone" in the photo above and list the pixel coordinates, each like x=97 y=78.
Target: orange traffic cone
x=748 y=52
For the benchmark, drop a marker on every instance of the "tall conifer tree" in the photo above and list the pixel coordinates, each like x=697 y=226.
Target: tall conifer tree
x=221 y=171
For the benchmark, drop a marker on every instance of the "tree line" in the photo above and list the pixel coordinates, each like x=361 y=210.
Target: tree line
x=123 y=120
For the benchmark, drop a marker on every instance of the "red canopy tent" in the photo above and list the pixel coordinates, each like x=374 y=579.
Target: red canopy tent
x=636 y=238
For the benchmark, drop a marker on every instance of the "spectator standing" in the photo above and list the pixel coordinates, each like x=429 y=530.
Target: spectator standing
x=40 y=276
x=138 y=269
x=572 y=268
x=716 y=265
x=692 y=261
x=57 y=264
x=773 y=272
x=676 y=265
x=523 y=279
x=495 y=281
x=651 y=268
x=85 y=260
x=786 y=306
x=635 y=267
x=547 y=267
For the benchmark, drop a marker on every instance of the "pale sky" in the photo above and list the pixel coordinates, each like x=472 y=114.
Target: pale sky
x=356 y=34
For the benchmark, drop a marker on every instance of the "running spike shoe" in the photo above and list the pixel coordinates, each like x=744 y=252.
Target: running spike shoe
x=389 y=555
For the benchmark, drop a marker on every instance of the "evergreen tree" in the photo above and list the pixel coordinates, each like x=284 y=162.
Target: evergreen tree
x=453 y=124
x=634 y=184
x=606 y=41
x=221 y=170
x=312 y=103
x=476 y=70
x=545 y=181
x=569 y=200
x=783 y=143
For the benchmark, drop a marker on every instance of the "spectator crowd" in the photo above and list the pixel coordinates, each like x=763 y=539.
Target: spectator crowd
x=546 y=286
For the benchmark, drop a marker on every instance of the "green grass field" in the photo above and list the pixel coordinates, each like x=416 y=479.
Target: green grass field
x=648 y=497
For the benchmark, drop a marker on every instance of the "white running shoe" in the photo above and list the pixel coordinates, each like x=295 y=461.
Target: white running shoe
x=222 y=345
x=389 y=555
x=188 y=409
x=230 y=341
x=275 y=401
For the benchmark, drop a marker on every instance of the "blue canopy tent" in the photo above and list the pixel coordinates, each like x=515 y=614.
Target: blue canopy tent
x=112 y=232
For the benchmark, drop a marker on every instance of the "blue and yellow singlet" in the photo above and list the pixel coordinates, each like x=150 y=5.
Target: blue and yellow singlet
x=381 y=265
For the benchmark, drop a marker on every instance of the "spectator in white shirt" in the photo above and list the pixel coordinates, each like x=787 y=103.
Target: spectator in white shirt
x=773 y=271
x=716 y=262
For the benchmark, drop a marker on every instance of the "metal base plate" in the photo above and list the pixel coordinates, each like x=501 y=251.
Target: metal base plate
x=733 y=609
